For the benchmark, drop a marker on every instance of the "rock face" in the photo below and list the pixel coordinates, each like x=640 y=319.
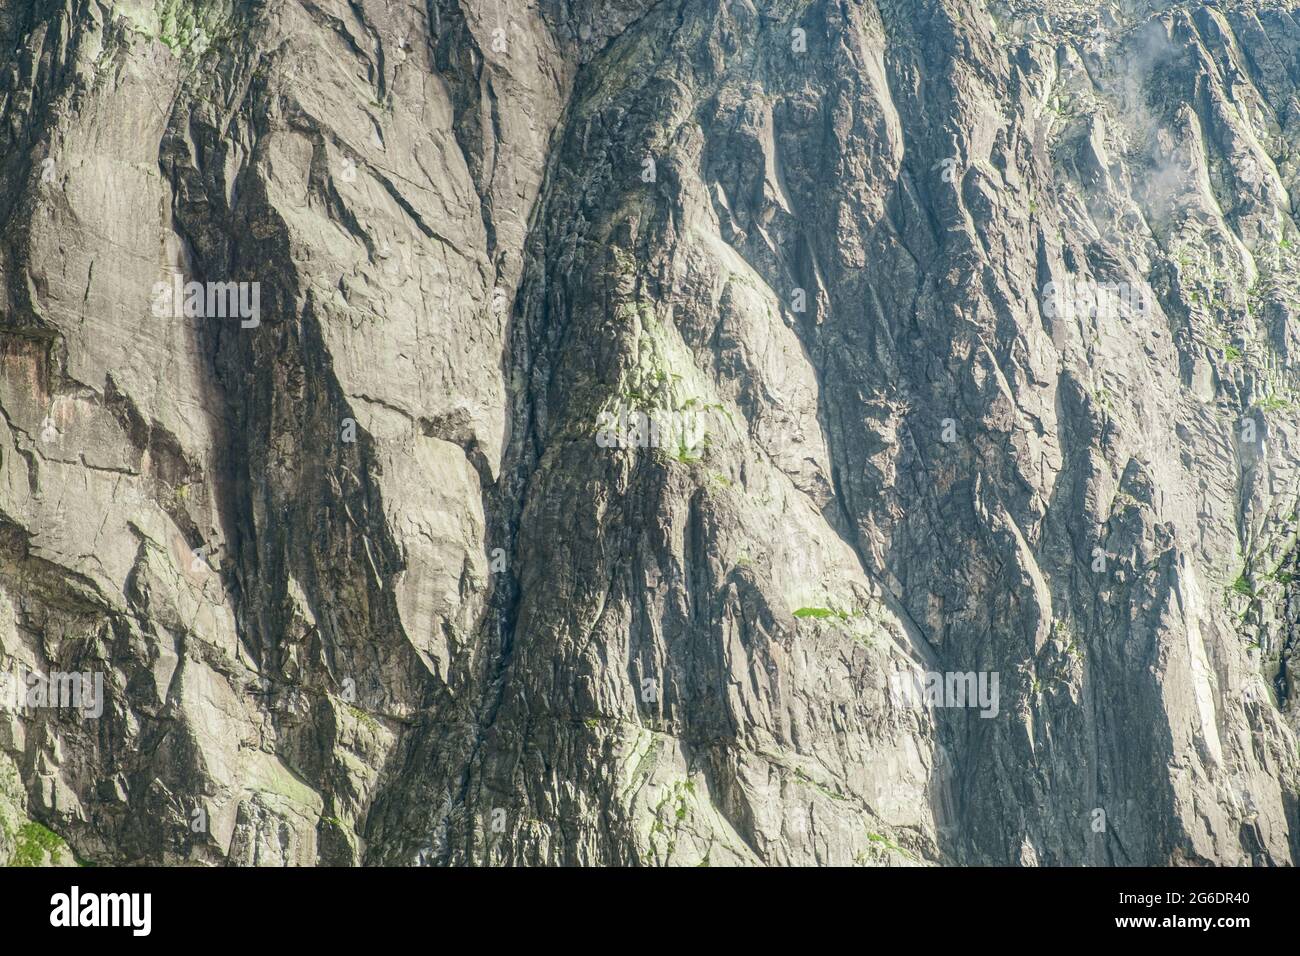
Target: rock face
x=680 y=432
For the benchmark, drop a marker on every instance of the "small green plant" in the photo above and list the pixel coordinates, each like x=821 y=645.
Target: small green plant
x=1231 y=353
x=36 y=845
x=1242 y=586
x=363 y=718
x=824 y=790
x=882 y=841
x=821 y=613
x=1278 y=574
x=814 y=612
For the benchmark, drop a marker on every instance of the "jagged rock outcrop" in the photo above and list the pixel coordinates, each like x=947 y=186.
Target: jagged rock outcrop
x=561 y=432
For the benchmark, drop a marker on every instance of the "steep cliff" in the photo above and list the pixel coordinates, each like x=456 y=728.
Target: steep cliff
x=486 y=431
